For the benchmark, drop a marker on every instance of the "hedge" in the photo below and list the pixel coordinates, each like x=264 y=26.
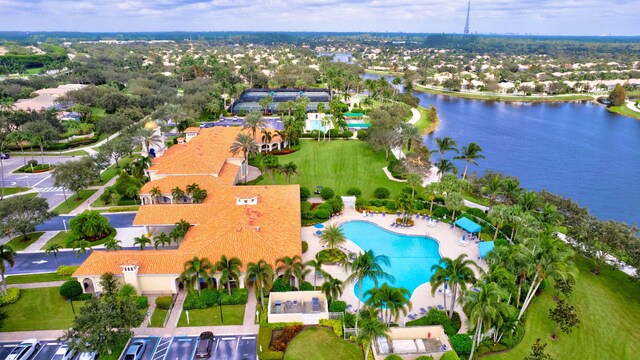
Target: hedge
x=327 y=193
x=142 y=302
x=461 y=343
x=11 y=296
x=123 y=208
x=393 y=357
x=83 y=297
x=305 y=246
x=209 y=298
x=450 y=355
x=164 y=302
x=70 y=289
x=337 y=306
x=322 y=214
x=306 y=286
x=335 y=324
x=381 y=193
x=305 y=193
x=66 y=270
x=424 y=357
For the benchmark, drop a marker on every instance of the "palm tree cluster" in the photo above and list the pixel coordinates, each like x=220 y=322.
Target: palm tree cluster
x=271 y=167
x=197 y=194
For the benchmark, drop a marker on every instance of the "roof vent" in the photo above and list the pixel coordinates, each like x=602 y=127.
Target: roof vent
x=257 y=228
x=239 y=228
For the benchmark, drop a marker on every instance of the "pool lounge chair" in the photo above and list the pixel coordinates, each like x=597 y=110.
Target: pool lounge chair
x=411 y=316
x=423 y=311
x=440 y=307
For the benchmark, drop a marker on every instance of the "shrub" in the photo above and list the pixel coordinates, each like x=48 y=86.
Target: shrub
x=70 y=289
x=193 y=301
x=327 y=193
x=391 y=205
x=363 y=135
x=511 y=339
x=306 y=286
x=483 y=350
x=238 y=297
x=419 y=205
x=441 y=212
x=393 y=357
x=305 y=206
x=326 y=206
x=335 y=324
x=381 y=193
x=66 y=270
x=501 y=242
x=123 y=208
x=12 y=295
x=349 y=320
x=305 y=247
x=308 y=215
x=90 y=226
x=337 y=306
x=450 y=355
x=322 y=214
x=164 y=302
x=127 y=290
x=305 y=193
x=331 y=256
x=497 y=347
x=461 y=343
x=279 y=286
x=281 y=340
x=83 y=297
x=424 y=357
x=142 y=302
x=437 y=317
x=337 y=204
x=354 y=191
x=477 y=213
x=361 y=203
x=209 y=297
x=347 y=134
x=333 y=133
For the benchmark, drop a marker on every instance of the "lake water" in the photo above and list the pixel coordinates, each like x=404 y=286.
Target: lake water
x=578 y=150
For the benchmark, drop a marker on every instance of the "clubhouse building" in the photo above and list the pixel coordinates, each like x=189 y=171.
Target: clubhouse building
x=251 y=223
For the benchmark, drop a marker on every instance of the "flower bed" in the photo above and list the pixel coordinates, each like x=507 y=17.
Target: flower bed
x=331 y=256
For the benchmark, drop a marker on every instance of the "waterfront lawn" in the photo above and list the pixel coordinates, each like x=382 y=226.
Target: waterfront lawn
x=18 y=243
x=608 y=306
x=39 y=309
x=339 y=164
x=14 y=190
x=158 y=316
x=318 y=343
x=425 y=124
x=35 y=278
x=624 y=110
x=73 y=202
x=233 y=315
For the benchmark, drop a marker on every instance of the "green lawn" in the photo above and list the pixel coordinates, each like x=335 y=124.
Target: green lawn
x=112 y=171
x=115 y=352
x=608 y=307
x=60 y=239
x=624 y=110
x=319 y=343
x=14 y=190
x=425 y=124
x=73 y=202
x=39 y=309
x=34 y=278
x=97 y=112
x=18 y=243
x=158 y=316
x=233 y=315
x=339 y=164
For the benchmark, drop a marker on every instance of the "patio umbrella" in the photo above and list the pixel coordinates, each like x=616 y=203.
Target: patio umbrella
x=318 y=232
x=318 y=226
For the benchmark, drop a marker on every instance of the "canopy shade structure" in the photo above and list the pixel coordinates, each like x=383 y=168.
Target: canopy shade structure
x=468 y=225
x=350 y=114
x=484 y=247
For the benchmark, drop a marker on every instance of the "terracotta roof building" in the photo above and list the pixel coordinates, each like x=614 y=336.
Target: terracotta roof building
x=251 y=223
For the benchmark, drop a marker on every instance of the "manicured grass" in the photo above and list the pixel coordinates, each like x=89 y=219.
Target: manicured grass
x=73 y=202
x=426 y=125
x=112 y=171
x=18 y=243
x=60 y=239
x=624 y=110
x=608 y=306
x=115 y=352
x=233 y=315
x=14 y=190
x=34 y=278
x=339 y=164
x=505 y=97
x=475 y=199
x=321 y=343
x=158 y=316
x=39 y=309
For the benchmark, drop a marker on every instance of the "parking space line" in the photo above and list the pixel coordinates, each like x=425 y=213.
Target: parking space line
x=235 y=353
x=193 y=353
x=38 y=352
x=228 y=338
x=248 y=338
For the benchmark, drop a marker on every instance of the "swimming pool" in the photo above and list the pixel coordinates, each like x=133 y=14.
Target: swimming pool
x=316 y=125
x=410 y=256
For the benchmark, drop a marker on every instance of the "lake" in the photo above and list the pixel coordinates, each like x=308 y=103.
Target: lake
x=575 y=149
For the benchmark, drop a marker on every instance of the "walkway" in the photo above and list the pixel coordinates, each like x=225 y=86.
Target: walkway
x=38 y=285
x=36 y=246
x=632 y=105
x=86 y=205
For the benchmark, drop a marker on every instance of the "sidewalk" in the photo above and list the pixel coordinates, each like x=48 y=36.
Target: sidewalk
x=37 y=285
x=86 y=205
x=37 y=246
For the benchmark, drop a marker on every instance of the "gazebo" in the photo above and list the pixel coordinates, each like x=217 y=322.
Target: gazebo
x=468 y=225
x=484 y=247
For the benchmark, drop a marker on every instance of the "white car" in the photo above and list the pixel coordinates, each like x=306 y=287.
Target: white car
x=90 y=355
x=64 y=353
x=24 y=350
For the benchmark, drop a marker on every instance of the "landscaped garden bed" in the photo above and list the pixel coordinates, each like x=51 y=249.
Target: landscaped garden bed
x=331 y=256
x=36 y=168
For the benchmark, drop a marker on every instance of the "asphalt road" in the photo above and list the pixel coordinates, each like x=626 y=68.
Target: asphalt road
x=116 y=220
x=41 y=180
x=27 y=263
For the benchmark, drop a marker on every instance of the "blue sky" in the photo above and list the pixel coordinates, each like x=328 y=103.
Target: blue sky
x=561 y=17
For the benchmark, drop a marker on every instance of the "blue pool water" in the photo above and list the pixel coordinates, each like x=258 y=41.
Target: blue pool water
x=410 y=257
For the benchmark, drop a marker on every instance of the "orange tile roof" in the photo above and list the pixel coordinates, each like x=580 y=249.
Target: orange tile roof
x=226 y=177
x=191 y=129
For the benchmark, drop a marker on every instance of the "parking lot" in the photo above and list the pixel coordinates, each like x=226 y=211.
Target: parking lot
x=46 y=351
x=240 y=347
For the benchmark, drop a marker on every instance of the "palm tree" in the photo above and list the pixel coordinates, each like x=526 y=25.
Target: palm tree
x=229 y=270
x=141 y=241
x=454 y=202
x=81 y=247
x=148 y=138
x=267 y=136
x=254 y=122
x=53 y=249
x=286 y=265
x=177 y=193
x=493 y=188
x=195 y=269
x=404 y=204
x=332 y=288
x=469 y=154
x=410 y=134
x=198 y=195
x=456 y=273
x=270 y=166
x=6 y=256
x=156 y=193
x=499 y=216
x=261 y=273
x=371 y=330
x=332 y=236
x=139 y=165
x=390 y=301
x=191 y=188
x=300 y=272
x=367 y=265
x=289 y=170
x=113 y=244
x=179 y=231
x=483 y=308
x=445 y=166
x=550 y=257
x=317 y=270
x=446 y=144
x=247 y=145
x=162 y=240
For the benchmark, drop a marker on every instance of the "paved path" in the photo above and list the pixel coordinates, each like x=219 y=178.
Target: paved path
x=86 y=205
x=632 y=105
x=37 y=285
x=36 y=246
x=172 y=323
x=415 y=118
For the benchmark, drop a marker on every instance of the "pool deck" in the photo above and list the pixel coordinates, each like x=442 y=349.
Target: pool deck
x=446 y=237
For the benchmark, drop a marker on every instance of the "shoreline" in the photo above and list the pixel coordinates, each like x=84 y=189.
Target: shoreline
x=505 y=98
x=384 y=72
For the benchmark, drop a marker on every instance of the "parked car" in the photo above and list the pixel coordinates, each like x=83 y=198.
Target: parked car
x=89 y=355
x=24 y=350
x=205 y=342
x=64 y=353
x=135 y=350
x=4 y=156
